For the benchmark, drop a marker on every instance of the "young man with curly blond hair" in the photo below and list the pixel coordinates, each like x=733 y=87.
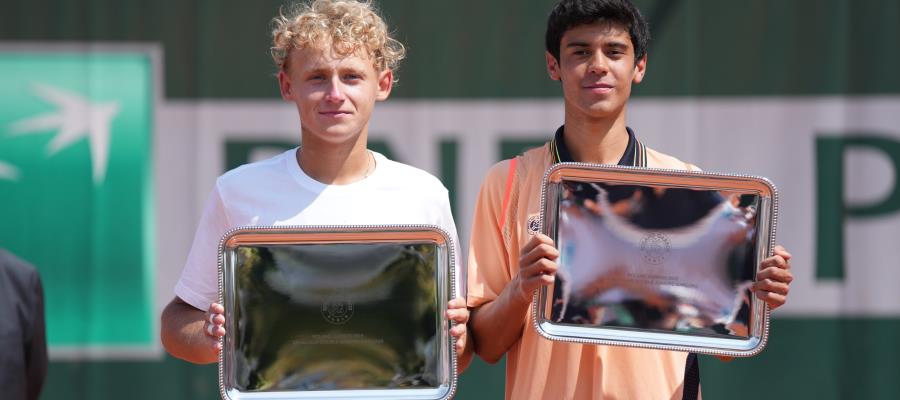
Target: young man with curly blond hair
x=596 y=49
x=335 y=60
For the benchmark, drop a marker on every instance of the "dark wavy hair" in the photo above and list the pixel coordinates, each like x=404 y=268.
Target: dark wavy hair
x=568 y=14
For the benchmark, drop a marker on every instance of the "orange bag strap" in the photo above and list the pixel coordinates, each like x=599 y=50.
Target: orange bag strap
x=510 y=177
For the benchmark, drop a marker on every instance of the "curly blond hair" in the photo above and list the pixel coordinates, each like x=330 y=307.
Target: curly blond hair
x=349 y=26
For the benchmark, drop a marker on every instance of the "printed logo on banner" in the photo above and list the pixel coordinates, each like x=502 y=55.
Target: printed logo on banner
x=832 y=210
x=75 y=139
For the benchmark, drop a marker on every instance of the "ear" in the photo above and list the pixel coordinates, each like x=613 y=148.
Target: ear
x=385 y=84
x=640 y=68
x=552 y=66
x=284 y=83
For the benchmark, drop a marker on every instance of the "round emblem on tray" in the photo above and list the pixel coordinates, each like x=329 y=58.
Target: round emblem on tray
x=337 y=311
x=655 y=248
x=534 y=224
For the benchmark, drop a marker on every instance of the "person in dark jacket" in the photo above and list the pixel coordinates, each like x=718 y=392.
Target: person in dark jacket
x=23 y=338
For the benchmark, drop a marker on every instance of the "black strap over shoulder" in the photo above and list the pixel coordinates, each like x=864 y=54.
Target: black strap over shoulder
x=691 y=378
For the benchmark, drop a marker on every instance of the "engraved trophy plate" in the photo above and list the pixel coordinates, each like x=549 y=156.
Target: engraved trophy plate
x=656 y=258
x=337 y=312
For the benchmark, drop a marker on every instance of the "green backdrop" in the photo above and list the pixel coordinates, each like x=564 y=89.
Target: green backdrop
x=463 y=49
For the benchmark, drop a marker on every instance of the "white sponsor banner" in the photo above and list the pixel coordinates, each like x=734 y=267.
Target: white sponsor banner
x=771 y=137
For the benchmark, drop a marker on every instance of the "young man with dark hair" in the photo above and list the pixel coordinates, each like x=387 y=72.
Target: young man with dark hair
x=597 y=49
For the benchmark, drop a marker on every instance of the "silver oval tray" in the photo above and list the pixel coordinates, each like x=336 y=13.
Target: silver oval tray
x=337 y=312
x=657 y=259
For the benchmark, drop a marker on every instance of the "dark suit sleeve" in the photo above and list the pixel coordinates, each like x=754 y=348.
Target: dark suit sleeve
x=36 y=348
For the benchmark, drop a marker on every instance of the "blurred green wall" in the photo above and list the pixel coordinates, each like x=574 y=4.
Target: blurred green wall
x=468 y=49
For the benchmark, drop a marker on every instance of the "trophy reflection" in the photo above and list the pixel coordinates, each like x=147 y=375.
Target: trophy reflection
x=668 y=259
x=338 y=316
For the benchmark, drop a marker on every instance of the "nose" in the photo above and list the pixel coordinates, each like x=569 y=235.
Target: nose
x=334 y=92
x=598 y=64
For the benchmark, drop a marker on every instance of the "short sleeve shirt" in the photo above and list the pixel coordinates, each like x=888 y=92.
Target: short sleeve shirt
x=506 y=215
x=276 y=192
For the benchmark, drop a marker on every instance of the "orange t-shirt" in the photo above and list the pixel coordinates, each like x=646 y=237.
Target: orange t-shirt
x=537 y=368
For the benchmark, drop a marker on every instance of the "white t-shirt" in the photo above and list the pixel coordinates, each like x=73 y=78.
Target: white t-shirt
x=277 y=192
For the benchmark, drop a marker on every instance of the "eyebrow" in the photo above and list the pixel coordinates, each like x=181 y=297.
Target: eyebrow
x=354 y=69
x=616 y=45
x=313 y=72
x=610 y=44
x=340 y=70
x=578 y=44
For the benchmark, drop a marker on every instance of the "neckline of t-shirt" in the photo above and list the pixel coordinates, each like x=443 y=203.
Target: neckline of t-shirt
x=308 y=182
